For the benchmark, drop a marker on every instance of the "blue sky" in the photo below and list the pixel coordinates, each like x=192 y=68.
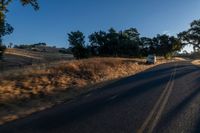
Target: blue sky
x=56 y=18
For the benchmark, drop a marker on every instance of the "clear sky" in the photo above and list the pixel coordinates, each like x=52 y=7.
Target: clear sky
x=56 y=18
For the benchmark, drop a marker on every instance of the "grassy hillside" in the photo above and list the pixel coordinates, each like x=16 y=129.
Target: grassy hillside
x=17 y=58
x=39 y=87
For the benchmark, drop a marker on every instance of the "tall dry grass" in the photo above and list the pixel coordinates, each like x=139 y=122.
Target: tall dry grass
x=73 y=74
x=63 y=77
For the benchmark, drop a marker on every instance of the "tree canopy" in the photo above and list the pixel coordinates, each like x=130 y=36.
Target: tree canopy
x=6 y=28
x=77 y=42
x=126 y=43
x=192 y=35
x=5 y=3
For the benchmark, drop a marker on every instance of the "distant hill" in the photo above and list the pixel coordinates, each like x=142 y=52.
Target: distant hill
x=15 y=57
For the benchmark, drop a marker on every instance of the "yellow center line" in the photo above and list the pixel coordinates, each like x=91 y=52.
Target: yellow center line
x=163 y=97
x=163 y=104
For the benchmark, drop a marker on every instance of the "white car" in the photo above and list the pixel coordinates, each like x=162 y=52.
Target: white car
x=151 y=59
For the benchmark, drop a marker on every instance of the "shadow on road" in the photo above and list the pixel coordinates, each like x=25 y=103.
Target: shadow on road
x=65 y=114
x=175 y=111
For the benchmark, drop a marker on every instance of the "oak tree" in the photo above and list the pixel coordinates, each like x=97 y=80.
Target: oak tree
x=5 y=28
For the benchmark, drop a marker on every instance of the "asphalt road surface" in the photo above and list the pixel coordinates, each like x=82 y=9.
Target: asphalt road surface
x=164 y=99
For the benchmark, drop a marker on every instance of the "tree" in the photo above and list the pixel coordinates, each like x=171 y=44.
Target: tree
x=98 y=41
x=146 y=46
x=77 y=41
x=176 y=44
x=192 y=35
x=130 y=42
x=114 y=43
x=132 y=34
x=165 y=45
x=5 y=28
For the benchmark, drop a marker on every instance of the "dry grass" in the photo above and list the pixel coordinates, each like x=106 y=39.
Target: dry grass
x=59 y=81
x=196 y=62
x=18 y=58
x=180 y=59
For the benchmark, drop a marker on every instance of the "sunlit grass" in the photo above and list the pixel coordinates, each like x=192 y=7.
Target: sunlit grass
x=61 y=80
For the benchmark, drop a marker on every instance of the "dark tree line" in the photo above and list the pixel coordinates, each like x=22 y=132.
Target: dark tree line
x=113 y=43
x=29 y=46
x=127 y=43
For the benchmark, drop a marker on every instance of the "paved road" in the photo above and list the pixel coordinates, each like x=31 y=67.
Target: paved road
x=164 y=99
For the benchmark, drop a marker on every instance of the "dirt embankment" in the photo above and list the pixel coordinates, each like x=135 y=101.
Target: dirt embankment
x=36 y=89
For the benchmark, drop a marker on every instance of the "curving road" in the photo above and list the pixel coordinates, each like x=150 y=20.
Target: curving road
x=164 y=99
